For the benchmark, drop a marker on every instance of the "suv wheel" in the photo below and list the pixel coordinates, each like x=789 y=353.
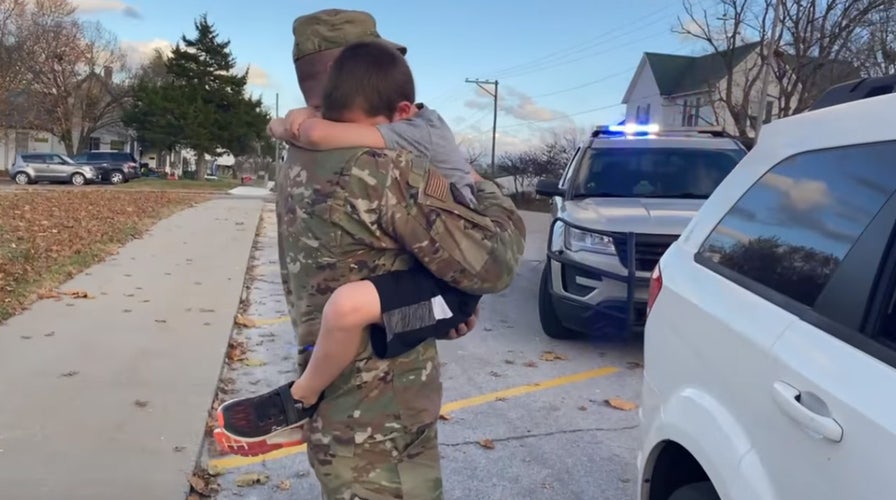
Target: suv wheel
x=116 y=177
x=696 y=491
x=22 y=178
x=550 y=322
x=78 y=179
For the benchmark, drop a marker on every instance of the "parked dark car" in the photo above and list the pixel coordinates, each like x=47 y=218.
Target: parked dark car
x=112 y=166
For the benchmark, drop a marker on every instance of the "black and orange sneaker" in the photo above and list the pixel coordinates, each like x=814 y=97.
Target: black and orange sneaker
x=257 y=418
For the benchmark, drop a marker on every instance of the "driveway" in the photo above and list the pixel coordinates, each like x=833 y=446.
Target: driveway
x=525 y=416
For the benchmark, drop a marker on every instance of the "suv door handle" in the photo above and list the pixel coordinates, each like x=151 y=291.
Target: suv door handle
x=786 y=397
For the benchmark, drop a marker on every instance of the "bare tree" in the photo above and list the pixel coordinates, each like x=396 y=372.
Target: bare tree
x=874 y=48
x=75 y=73
x=725 y=27
x=12 y=16
x=819 y=41
x=472 y=153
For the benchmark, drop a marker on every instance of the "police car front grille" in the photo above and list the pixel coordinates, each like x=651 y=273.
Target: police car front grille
x=648 y=249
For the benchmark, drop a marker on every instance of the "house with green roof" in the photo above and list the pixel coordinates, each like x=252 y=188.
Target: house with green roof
x=677 y=91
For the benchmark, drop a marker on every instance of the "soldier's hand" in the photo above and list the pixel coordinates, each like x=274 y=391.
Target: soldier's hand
x=465 y=327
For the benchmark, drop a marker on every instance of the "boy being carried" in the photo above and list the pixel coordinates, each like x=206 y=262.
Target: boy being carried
x=368 y=102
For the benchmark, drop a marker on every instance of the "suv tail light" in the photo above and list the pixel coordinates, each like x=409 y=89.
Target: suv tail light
x=656 y=284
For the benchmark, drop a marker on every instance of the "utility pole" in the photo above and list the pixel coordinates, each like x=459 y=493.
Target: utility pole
x=767 y=70
x=277 y=115
x=494 y=95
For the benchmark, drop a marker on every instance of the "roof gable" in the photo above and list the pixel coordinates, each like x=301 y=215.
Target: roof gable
x=676 y=74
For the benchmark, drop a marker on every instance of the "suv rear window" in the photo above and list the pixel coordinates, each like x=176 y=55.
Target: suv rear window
x=790 y=231
x=654 y=172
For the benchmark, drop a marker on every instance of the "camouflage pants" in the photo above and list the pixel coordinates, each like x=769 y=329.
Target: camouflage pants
x=403 y=467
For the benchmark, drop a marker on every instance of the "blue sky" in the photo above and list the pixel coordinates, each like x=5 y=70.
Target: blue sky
x=560 y=63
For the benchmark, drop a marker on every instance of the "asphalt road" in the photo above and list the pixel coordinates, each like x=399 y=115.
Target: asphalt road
x=526 y=415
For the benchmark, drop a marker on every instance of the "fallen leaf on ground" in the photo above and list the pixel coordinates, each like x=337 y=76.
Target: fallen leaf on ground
x=244 y=321
x=583 y=408
x=530 y=364
x=487 y=444
x=139 y=403
x=178 y=449
x=236 y=350
x=284 y=485
x=48 y=236
x=216 y=470
x=621 y=404
x=78 y=294
x=444 y=416
x=254 y=362
x=70 y=373
x=552 y=356
x=251 y=478
x=50 y=294
x=204 y=483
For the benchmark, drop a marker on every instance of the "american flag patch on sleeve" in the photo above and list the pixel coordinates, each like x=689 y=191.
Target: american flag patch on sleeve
x=437 y=186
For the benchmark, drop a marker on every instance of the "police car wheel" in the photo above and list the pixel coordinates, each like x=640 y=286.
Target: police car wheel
x=550 y=322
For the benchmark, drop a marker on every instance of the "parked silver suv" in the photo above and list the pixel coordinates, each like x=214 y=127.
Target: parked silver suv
x=30 y=168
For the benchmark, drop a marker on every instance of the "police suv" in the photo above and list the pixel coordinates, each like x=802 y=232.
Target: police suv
x=624 y=198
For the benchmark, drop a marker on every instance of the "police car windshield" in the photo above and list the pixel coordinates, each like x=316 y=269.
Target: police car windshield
x=623 y=172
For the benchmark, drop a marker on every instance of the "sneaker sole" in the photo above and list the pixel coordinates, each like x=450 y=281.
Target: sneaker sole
x=235 y=446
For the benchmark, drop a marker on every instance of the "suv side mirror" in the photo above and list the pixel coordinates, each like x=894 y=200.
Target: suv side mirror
x=548 y=187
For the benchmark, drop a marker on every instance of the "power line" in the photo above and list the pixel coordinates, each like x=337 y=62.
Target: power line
x=583 y=112
x=556 y=64
x=587 y=84
x=543 y=63
x=589 y=43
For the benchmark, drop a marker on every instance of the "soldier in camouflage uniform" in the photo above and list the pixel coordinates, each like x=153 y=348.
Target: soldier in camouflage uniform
x=345 y=215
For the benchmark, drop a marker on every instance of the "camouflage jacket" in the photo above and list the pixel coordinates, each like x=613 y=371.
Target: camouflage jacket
x=344 y=215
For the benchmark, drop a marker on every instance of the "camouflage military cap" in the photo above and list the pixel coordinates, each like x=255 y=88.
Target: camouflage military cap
x=333 y=29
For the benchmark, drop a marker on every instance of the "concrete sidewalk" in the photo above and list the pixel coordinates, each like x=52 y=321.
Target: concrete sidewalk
x=108 y=398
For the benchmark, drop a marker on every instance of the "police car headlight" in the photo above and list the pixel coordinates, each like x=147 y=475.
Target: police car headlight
x=583 y=241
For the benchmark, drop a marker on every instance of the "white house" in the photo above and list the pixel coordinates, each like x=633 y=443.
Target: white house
x=677 y=91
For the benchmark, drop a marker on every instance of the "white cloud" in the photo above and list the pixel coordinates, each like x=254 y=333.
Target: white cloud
x=88 y=6
x=138 y=52
x=801 y=194
x=258 y=77
x=514 y=103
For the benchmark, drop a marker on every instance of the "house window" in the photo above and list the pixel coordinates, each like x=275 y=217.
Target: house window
x=115 y=145
x=769 y=109
x=647 y=114
x=684 y=112
x=93 y=144
x=23 y=141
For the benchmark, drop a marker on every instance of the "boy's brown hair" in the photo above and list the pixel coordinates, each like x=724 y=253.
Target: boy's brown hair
x=369 y=76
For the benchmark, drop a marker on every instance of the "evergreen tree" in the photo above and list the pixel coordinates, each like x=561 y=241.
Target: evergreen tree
x=201 y=103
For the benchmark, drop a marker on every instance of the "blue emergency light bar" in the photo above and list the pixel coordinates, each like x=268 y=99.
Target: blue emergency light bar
x=626 y=130
x=634 y=128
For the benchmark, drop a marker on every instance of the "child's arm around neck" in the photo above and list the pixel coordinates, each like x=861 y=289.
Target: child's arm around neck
x=320 y=134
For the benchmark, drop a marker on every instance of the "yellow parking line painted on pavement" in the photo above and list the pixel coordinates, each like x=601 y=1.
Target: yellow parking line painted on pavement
x=270 y=321
x=218 y=465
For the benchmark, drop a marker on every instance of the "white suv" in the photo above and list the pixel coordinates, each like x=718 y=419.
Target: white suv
x=770 y=343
